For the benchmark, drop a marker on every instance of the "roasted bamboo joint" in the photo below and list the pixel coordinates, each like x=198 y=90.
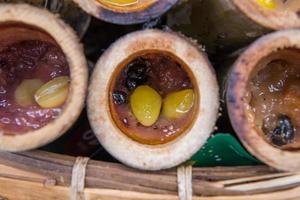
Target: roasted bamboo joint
x=152 y=93
x=126 y=11
x=273 y=14
x=263 y=98
x=225 y=25
x=39 y=68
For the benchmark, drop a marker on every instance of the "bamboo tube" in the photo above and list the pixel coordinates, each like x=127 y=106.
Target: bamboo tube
x=24 y=23
x=73 y=15
x=132 y=13
x=112 y=133
x=38 y=3
x=225 y=25
x=280 y=46
x=67 y=9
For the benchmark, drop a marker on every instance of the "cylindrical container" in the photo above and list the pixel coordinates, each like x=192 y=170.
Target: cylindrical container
x=71 y=14
x=149 y=75
x=67 y=10
x=263 y=99
x=225 y=25
x=43 y=77
x=38 y=3
x=120 y=12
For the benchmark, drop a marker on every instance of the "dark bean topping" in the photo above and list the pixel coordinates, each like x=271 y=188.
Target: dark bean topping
x=131 y=83
x=119 y=97
x=137 y=73
x=138 y=69
x=284 y=133
x=168 y=76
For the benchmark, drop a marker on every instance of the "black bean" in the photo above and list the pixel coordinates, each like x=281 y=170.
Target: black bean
x=119 y=97
x=284 y=133
x=131 y=83
x=137 y=73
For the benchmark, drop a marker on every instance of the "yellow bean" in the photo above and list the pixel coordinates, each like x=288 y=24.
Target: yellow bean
x=145 y=104
x=54 y=93
x=24 y=93
x=121 y=2
x=271 y=4
x=177 y=104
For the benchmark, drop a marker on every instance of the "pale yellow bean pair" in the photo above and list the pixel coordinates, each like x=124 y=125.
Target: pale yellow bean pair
x=146 y=104
x=47 y=95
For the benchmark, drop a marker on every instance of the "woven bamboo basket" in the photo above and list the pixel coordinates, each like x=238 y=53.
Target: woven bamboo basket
x=44 y=175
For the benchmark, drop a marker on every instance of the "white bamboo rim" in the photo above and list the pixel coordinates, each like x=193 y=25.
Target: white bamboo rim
x=270 y=18
x=153 y=157
x=69 y=43
x=237 y=87
x=134 y=14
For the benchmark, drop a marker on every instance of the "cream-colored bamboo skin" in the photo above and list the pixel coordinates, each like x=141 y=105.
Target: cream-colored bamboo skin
x=239 y=78
x=153 y=157
x=275 y=19
x=66 y=38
